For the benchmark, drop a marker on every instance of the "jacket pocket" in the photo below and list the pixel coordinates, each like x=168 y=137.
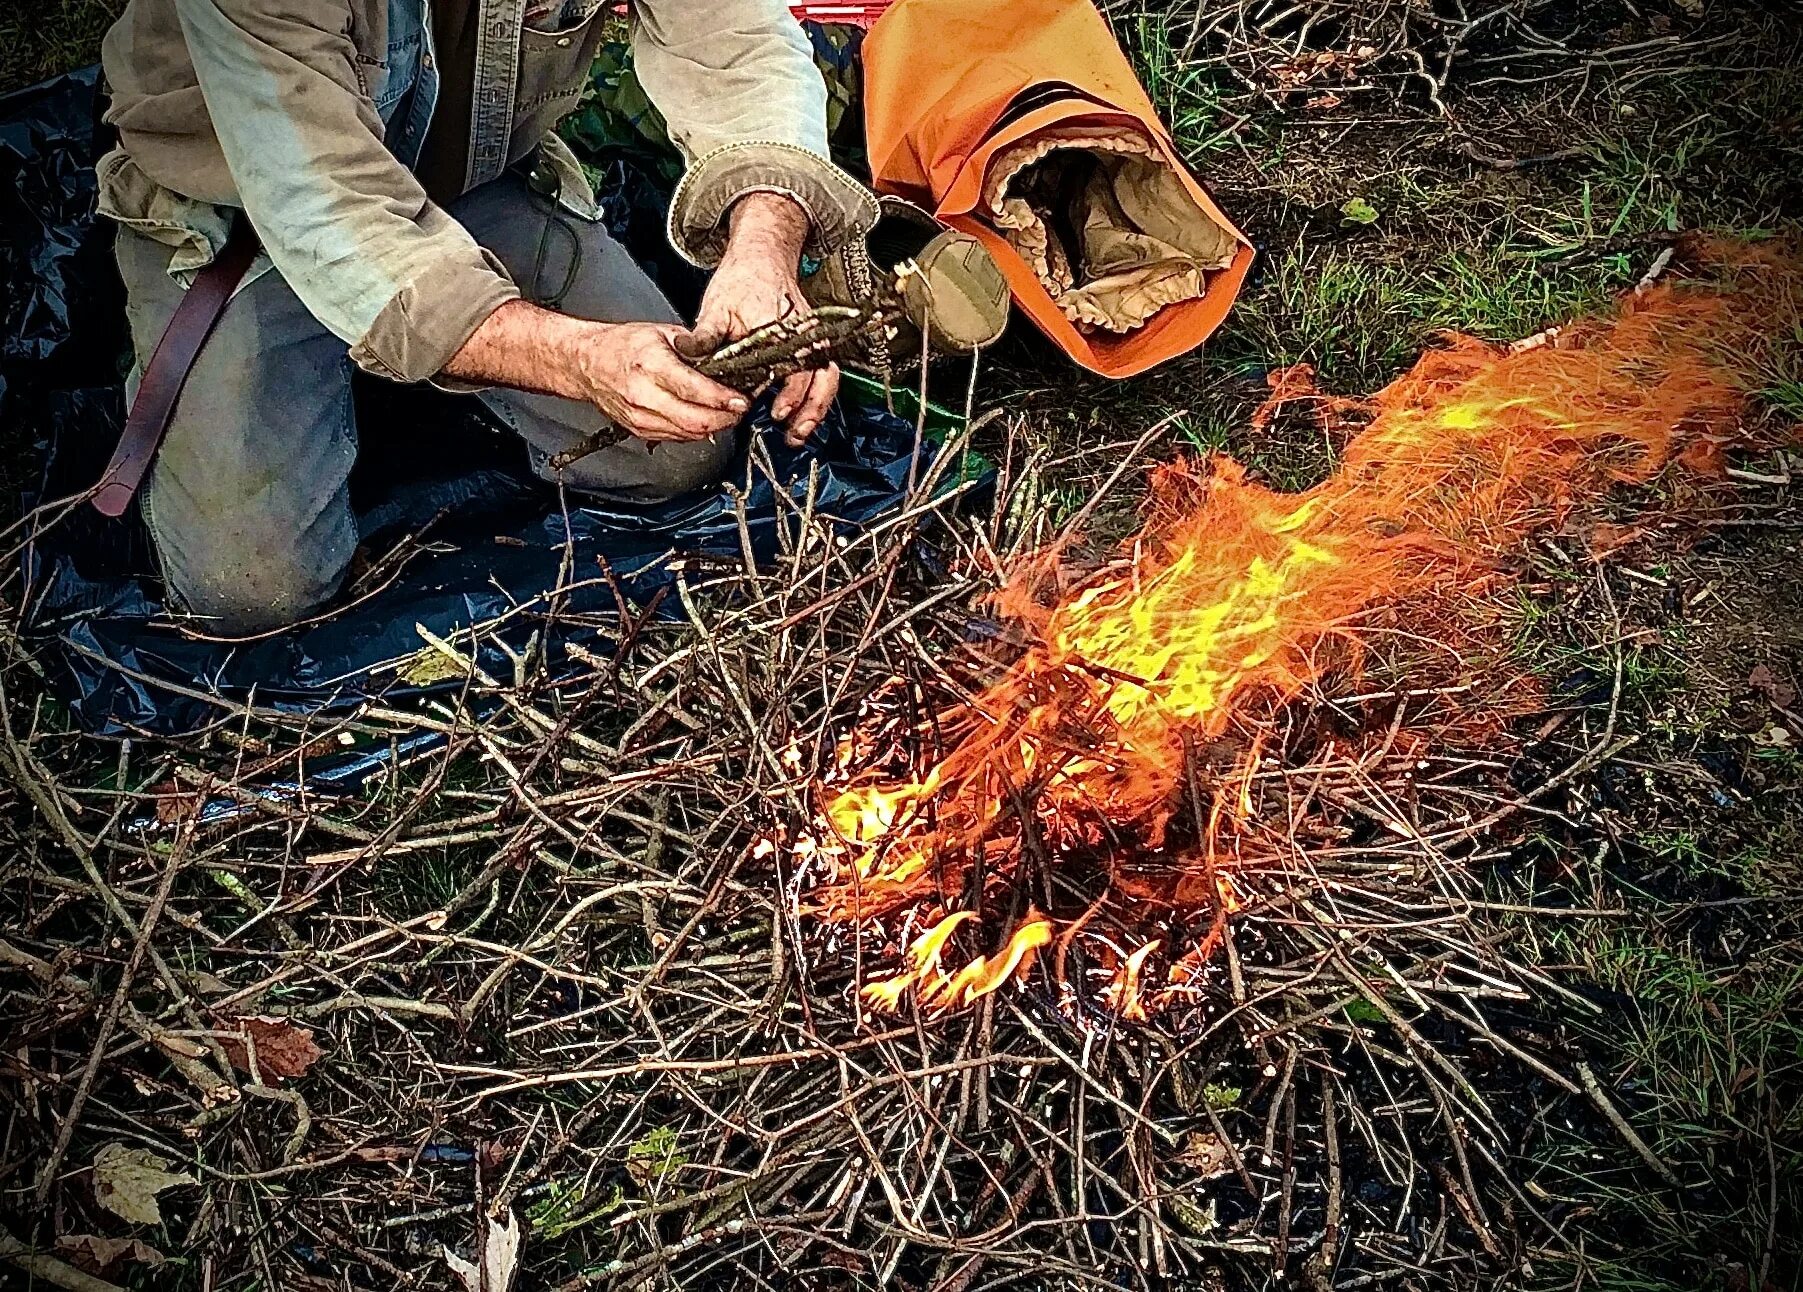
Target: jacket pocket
x=554 y=68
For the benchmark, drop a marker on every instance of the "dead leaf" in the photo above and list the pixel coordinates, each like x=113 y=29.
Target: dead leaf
x=1603 y=538
x=438 y=662
x=127 y=1181
x=1205 y=1154
x=1323 y=102
x=496 y=1153
x=1197 y=1220
x=96 y=1254
x=174 y=804
x=1705 y=455
x=284 y=1048
x=429 y=668
x=1775 y=689
x=500 y=1258
x=202 y=983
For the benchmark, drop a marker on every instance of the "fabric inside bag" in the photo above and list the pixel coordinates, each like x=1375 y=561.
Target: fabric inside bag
x=1106 y=224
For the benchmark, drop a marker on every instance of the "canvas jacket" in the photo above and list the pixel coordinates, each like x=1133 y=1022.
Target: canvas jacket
x=311 y=117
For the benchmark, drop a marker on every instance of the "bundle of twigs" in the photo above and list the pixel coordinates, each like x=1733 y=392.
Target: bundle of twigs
x=769 y=355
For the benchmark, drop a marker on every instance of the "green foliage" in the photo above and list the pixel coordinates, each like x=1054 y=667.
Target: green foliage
x=1221 y=1097
x=567 y=1207
x=654 y=1156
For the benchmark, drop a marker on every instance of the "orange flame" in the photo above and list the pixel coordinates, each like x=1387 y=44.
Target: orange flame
x=1235 y=599
x=934 y=988
x=1122 y=994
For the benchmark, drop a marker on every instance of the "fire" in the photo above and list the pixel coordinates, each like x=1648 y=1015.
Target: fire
x=1234 y=600
x=1122 y=994
x=935 y=988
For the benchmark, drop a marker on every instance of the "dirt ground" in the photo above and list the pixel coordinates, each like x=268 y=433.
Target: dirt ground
x=1405 y=168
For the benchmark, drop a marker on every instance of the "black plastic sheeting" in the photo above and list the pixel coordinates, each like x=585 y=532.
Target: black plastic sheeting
x=496 y=539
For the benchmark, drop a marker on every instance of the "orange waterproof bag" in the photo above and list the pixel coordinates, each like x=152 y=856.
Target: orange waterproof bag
x=1021 y=123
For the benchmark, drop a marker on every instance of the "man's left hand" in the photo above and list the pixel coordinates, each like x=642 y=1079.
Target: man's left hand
x=758 y=282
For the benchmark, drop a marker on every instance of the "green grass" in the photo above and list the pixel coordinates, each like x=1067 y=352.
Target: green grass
x=1360 y=318
x=39 y=40
x=1701 y=1040
x=1708 y=1050
x=1188 y=96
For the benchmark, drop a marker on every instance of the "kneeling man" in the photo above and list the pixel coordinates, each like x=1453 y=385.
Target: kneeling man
x=418 y=220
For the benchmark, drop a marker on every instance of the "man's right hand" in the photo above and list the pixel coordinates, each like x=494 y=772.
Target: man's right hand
x=632 y=372
x=635 y=375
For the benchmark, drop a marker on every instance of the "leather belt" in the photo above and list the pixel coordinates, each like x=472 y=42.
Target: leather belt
x=189 y=327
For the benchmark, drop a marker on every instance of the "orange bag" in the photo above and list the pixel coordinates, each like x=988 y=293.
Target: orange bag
x=966 y=97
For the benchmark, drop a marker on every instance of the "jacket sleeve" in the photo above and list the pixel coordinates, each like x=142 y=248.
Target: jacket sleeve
x=735 y=81
x=349 y=228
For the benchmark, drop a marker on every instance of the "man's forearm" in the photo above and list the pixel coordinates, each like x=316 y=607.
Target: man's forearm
x=526 y=347
x=631 y=372
x=768 y=225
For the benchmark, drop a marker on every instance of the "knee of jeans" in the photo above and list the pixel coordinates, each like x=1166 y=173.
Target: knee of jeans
x=674 y=468
x=233 y=598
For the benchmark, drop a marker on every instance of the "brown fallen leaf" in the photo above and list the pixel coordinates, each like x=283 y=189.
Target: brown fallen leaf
x=384 y=1153
x=285 y=1049
x=127 y=1181
x=1775 y=689
x=174 y=804
x=1205 y=1154
x=96 y=1253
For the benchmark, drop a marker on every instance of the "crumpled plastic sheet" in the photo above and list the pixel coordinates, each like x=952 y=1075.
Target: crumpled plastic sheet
x=496 y=539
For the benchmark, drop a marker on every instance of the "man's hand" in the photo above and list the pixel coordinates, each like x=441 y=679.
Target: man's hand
x=632 y=372
x=757 y=283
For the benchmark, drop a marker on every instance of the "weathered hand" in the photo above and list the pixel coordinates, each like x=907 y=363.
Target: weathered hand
x=634 y=374
x=756 y=283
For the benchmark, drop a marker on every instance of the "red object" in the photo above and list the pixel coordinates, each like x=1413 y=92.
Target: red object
x=851 y=13
x=855 y=13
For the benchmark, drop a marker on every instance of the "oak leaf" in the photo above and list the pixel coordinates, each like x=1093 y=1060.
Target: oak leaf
x=96 y=1253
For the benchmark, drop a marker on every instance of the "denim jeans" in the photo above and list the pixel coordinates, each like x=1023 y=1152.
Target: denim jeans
x=247 y=502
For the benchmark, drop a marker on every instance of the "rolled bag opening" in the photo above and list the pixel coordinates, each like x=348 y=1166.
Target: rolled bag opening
x=1107 y=227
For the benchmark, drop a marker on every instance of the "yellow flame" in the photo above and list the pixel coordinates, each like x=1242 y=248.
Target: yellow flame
x=1122 y=995
x=935 y=989
x=865 y=813
x=886 y=993
x=923 y=957
x=1191 y=656
x=986 y=973
x=1235 y=599
x=926 y=949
